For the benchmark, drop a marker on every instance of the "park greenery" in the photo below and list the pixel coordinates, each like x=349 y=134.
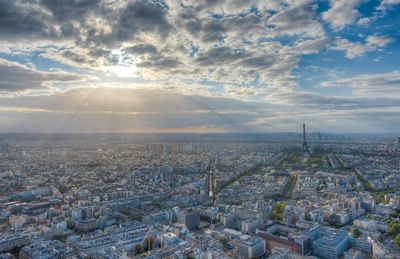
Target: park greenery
x=290 y=160
x=277 y=212
x=367 y=185
x=356 y=232
x=249 y=172
x=397 y=240
x=316 y=161
x=395 y=214
x=394 y=227
x=138 y=249
x=379 y=196
x=334 y=220
x=288 y=189
x=224 y=242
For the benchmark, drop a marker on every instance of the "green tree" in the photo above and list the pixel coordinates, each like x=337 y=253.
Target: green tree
x=394 y=228
x=395 y=213
x=138 y=249
x=224 y=242
x=380 y=198
x=334 y=220
x=356 y=232
x=277 y=212
x=397 y=240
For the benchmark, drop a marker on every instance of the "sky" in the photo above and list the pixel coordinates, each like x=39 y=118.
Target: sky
x=199 y=66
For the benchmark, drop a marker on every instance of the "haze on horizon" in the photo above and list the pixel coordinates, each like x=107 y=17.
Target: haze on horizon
x=199 y=66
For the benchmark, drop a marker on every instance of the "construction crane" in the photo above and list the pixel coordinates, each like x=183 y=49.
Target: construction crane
x=146 y=237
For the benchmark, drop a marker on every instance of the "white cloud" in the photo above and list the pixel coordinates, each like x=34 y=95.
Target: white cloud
x=386 y=4
x=200 y=62
x=378 y=41
x=358 y=49
x=342 y=13
x=230 y=30
x=371 y=85
x=126 y=110
x=364 y=21
x=143 y=110
x=18 y=77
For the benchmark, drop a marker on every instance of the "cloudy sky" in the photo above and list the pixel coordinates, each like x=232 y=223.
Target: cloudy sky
x=199 y=66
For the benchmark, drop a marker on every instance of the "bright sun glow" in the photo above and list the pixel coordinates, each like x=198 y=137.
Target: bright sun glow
x=122 y=69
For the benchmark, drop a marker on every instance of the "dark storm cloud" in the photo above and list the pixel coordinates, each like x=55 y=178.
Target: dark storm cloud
x=259 y=62
x=61 y=20
x=245 y=24
x=159 y=36
x=16 y=77
x=142 y=16
x=160 y=63
x=141 y=49
x=189 y=21
x=219 y=55
x=71 y=9
x=153 y=58
x=212 y=31
x=295 y=19
x=75 y=57
x=26 y=20
x=50 y=20
x=99 y=52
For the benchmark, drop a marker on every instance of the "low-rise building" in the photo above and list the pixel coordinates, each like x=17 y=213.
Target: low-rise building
x=285 y=236
x=46 y=249
x=9 y=242
x=328 y=242
x=190 y=218
x=253 y=247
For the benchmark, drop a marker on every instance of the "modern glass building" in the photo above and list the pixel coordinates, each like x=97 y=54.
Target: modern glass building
x=328 y=242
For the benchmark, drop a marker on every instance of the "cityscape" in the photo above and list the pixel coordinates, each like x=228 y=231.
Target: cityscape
x=199 y=129
x=297 y=195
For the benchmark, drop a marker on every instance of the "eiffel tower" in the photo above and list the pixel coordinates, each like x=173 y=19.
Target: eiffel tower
x=305 y=146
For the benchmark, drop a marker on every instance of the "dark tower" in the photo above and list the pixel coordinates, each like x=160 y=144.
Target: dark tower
x=305 y=146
